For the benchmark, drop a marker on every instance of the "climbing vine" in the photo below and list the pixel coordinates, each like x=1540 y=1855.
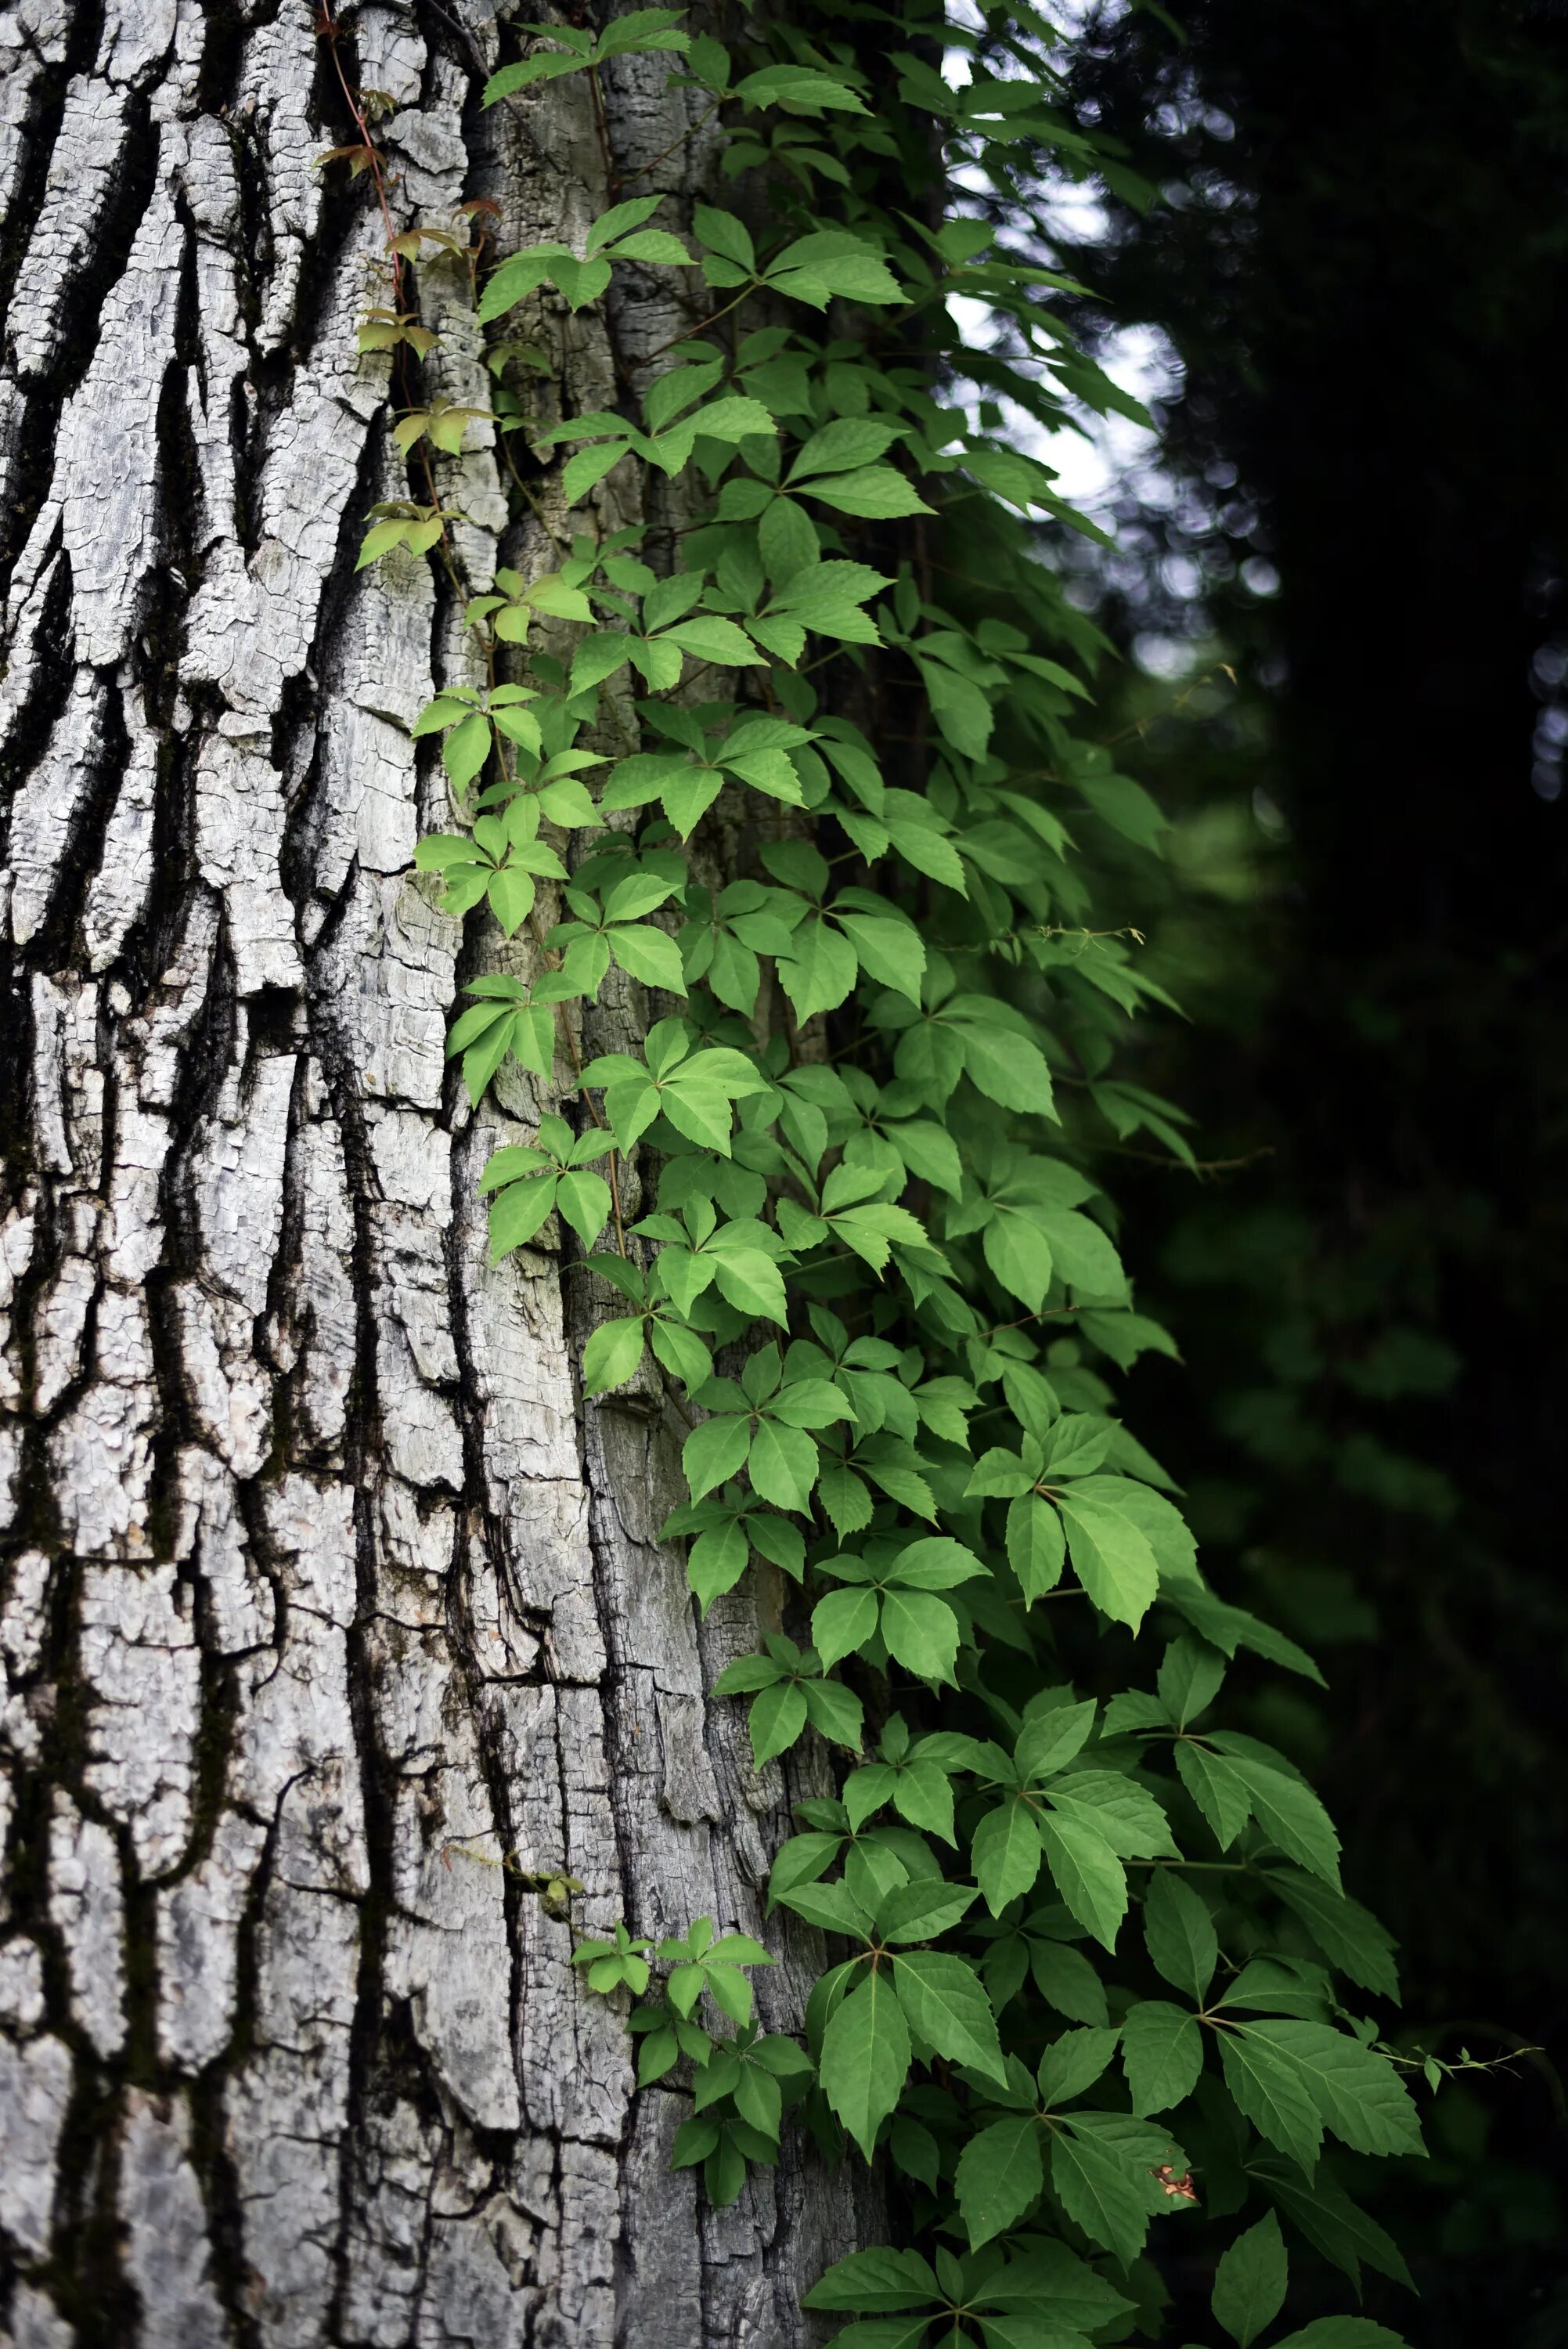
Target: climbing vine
x=1094 y=1969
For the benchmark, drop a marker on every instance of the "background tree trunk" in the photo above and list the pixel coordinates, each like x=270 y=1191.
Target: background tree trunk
x=316 y=1564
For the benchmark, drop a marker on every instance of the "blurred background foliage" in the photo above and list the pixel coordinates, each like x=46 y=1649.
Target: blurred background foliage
x=1342 y=588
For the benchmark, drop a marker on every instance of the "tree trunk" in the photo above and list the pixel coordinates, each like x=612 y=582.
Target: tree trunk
x=320 y=1576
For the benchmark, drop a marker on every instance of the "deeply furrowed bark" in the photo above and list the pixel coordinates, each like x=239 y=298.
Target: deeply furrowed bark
x=316 y=1566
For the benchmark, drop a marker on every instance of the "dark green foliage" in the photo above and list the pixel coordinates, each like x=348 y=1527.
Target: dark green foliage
x=882 y=1271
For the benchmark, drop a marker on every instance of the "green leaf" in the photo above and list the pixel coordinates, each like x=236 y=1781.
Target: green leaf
x=1218 y=1793
x=832 y=1907
x=1000 y=2174
x=1022 y=2329
x=1047 y=2277
x=1110 y=1557
x=843 y=1622
x=752 y=1283
x=1007 y=1069
x=511 y=895
x=588 y=466
x=611 y=1355
x=1348 y=1935
x=1358 y=2093
x=875 y=492
x=1250 y=2282
x=1190 y=1676
x=891 y=952
x=1088 y=1874
x=640 y=30
x=1130 y=1819
x=1162 y=2052
x=865 y=2058
x=922 y=1794
x=620 y=219
x=778 y=1717
x=760 y=2099
x=708 y=638
x=714 y=1563
x=465 y=748
x=657 y=2054
x=935 y=1563
x=1006 y=1855
x=843 y=446
x=1066 y=1979
x=922 y=1910
x=693 y=2141
x=583 y=1200
x=723 y=234
x=746 y=1673
x=1036 y=1545
x=921 y=1633
x=1270 y=2091
x=545 y=64
x=1180 y=1933
x=788 y=542
x=1019 y=1254
x=948 y=2008
x=1230 y=1627
x=653 y=244
x=1332 y=2223
x=680 y=1352
x=802 y=87
x=833 y=264
x=1050 y=1740
x=818 y=970
x=835 y=1713
x=517 y=1214
x=1163 y=1525
x=1072 y=2063
x=650 y=955
x=714 y=1451
x=701 y=1111
x=1287 y=1810
x=875 y=2283
x=783 y=1465
x=914 y=2150
x=1100 y=2193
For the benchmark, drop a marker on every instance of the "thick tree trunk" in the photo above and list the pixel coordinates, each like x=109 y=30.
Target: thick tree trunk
x=316 y=1564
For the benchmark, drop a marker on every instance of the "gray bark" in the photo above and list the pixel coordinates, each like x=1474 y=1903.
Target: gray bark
x=315 y=1564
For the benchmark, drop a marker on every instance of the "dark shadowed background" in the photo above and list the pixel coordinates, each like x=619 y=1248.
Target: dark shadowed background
x=1360 y=266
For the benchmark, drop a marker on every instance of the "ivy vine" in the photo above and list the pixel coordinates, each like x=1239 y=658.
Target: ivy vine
x=1094 y=1968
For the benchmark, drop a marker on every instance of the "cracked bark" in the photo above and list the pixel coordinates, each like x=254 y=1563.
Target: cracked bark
x=314 y=1563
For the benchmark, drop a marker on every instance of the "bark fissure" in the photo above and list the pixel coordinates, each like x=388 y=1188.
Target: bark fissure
x=318 y=1573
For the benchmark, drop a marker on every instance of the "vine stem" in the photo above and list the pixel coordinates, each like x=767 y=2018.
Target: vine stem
x=444 y=542
x=602 y=129
x=328 y=30
x=1217 y=1867
x=1199 y=1166
x=552 y=961
x=700 y=327
x=1048 y=1313
x=631 y=178
x=539 y=513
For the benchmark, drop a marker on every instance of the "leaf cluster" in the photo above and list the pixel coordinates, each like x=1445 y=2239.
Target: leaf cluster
x=1092 y=1964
